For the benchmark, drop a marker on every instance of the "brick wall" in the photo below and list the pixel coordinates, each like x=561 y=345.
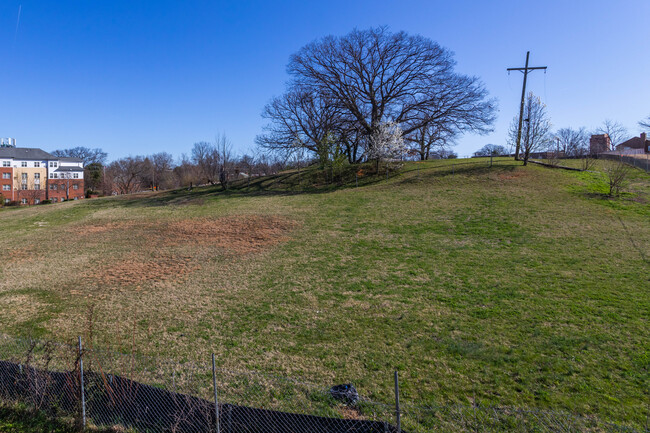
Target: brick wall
x=76 y=190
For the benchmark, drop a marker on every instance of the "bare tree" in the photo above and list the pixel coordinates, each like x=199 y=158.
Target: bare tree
x=617 y=173
x=430 y=136
x=126 y=174
x=616 y=132
x=223 y=147
x=491 y=150
x=186 y=172
x=88 y=156
x=35 y=192
x=206 y=157
x=374 y=76
x=573 y=142
x=535 y=133
x=645 y=123
x=300 y=118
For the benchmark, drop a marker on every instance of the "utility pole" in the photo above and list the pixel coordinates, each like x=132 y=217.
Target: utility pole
x=525 y=71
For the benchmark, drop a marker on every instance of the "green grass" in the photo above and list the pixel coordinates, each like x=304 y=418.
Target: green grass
x=521 y=286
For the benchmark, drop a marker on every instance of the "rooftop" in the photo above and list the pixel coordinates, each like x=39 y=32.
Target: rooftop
x=24 y=153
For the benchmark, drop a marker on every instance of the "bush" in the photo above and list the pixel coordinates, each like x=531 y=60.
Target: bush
x=46 y=201
x=13 y=203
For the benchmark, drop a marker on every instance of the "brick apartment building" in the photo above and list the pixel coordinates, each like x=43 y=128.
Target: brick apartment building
x=29 y=176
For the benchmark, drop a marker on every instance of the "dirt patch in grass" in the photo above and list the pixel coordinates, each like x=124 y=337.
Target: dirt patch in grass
x=90 y=230
x=22 y=255
x=511 y=175
x=236 y=235
x=240 y=235
x=134 y=269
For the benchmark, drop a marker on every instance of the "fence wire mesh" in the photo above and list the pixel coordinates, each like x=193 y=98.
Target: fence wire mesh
x=155 y=395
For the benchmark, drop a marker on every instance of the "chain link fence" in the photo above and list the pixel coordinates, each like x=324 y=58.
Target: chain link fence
x=108 y=389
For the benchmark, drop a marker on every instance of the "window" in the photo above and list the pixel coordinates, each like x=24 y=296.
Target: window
x=53 y=186
x=53 y=164
x=23 y=200
x=23 y=164
x=37 y=186
x=76 y=175
x=24 y=177
x=37 y=164
x=37 y=176
x=6 y=187
x=6 y=175
x=75 y=186
x=7 y=200
x=23 y=186
x=37 y=200
x=54 y=199
x=6 y=163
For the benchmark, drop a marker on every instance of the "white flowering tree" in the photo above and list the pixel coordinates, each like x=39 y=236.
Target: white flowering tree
x=386 y=143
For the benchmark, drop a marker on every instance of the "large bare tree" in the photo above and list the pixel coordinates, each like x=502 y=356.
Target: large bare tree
x=346 y=87
x=535 y=132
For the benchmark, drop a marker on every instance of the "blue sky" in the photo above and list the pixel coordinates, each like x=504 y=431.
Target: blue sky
x=138 y=77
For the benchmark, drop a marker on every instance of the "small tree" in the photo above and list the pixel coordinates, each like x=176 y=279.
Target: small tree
x=386 y=143
x=224 y=156
x=617 y=176
x=535 y=133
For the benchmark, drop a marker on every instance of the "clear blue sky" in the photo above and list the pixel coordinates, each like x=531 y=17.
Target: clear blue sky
x=137 y=77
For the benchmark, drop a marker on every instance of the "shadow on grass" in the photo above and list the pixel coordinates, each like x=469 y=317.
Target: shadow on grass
x=308 y=181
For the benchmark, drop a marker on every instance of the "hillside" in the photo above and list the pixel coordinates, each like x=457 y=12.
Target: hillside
x=512 y=285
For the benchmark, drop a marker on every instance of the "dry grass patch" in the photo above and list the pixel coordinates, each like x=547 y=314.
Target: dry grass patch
x=236 y=234
x=135 y=269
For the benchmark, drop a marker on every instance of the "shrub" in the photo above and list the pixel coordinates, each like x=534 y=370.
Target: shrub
x=47 y=201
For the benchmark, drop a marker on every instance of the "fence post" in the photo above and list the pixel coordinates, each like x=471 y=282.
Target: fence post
x=397 y=412
x=216 y=400
x=81 y=376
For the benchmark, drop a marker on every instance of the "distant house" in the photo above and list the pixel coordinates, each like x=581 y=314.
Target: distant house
x=639 y=144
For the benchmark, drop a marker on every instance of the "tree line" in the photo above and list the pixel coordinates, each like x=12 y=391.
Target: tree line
x=208 y=163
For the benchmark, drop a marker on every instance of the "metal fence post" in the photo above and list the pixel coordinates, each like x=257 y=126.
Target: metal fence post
x=397 y=412
x=81 y=376
x=216 y=400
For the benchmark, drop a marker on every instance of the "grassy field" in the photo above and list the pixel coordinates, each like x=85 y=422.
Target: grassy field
x=513 y=285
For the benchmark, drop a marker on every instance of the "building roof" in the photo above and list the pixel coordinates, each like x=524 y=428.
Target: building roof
x=61 y=169
x=24 y=153
x=635 y=143
x=71 y=160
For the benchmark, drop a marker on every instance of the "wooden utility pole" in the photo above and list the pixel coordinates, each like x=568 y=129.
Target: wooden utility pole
x=525 y=71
